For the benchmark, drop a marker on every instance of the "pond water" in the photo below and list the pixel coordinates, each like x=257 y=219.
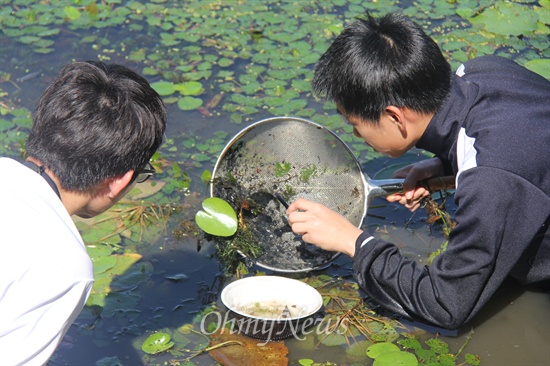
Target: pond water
x=221 y=65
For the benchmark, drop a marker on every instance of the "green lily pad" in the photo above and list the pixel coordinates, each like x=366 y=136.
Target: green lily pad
x=218 y=217
x=508 y=19
x=398 y=358
x=164 y=87
x=190 y=88
x=378 y=349
x=71 y=12
x=189 y=103
x=540 y=66
x=156 y=343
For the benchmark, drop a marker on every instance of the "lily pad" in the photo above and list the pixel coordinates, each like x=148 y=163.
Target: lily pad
x=540 y=66
x=508 y=19
x=164 y=87
x=190 y=88
x=218 y=217
x=189 y=103
x=156 y=343
x=398 y=358
x=71 y=12
x=378 y=349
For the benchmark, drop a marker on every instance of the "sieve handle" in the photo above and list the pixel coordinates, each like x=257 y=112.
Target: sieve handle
x=384 y=187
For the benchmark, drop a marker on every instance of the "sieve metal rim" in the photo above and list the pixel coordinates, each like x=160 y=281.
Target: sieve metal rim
x=325 y=130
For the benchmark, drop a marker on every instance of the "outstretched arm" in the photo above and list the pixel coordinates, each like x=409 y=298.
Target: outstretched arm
x=492 y=234
x=412 y=194
x=322 y=227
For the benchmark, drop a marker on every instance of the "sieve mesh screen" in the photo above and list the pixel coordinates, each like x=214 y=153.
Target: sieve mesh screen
x=294 y=158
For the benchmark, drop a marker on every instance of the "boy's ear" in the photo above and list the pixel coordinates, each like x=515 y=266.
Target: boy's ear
x=116 y=185
x=396 y=116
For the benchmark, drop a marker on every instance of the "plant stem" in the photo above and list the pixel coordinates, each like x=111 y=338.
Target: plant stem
x=470 y=335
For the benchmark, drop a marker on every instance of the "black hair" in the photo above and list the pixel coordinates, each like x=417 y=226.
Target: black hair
x=96 y=121
x=375 y=63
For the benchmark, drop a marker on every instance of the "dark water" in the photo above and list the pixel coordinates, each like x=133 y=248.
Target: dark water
x=513 y=329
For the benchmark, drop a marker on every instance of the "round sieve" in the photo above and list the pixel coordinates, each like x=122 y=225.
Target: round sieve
x=292 y=157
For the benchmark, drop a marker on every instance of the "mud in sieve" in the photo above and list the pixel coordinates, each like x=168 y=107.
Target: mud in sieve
x=294 y=158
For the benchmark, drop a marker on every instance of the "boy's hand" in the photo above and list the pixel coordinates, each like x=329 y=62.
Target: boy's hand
x=322 y=227
x=413 y=195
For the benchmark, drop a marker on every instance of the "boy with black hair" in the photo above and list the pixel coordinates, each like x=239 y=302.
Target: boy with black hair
x=489 y=125
x=94 y=130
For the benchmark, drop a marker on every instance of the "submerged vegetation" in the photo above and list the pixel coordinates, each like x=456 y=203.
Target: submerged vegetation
x=219 y=65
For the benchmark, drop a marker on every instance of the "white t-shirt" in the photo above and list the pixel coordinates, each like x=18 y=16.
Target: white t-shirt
x=45 y=272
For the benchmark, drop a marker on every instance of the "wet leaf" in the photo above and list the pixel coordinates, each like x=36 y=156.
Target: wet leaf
x=334 y=339
x=438 y=346
x=102 y=264
x=71 y=12
x=206 y=176
x=105 y=271
x=357 y=350
x=218 y=217
x=507 y=18
x=410 y=343
x=156 y=343
x=190 y=88
x=540 y=66
x=472 y=359
x=189 y=103
x=398 y=358
x=378 y=349
x=252 y=352
x=164 y=87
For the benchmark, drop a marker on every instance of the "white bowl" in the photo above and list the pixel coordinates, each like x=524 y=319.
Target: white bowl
x=265 y=297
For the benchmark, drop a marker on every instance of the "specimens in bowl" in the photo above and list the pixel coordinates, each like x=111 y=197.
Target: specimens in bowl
x=271 y=307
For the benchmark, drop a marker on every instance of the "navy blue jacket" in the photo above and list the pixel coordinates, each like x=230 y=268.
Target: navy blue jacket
x=493 y=133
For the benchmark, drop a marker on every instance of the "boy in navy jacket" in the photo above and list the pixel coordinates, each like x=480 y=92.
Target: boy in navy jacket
x=488 y=124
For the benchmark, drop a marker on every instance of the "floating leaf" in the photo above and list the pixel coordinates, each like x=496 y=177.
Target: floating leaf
x=189 y=103
x=540 y=66
x=102 y=264
x=398 y=358
x=145 y=189
x=246 y=351
x=190 y=88
x=164 y=87
x=472 y=359
x=206 y=176
x=71 y=12
x=334 y=339
x=378 y=349
x=218 y=217
x=156 y=343
x=438 y=346
x=225 y=62
x=508 y=19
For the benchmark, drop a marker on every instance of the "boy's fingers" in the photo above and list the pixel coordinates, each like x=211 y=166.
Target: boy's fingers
x=395 y=197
